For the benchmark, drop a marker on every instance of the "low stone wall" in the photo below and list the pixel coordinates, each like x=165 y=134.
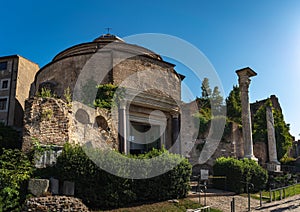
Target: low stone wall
x=54 y=203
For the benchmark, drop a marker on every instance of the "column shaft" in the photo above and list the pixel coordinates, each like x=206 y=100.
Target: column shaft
x=244 y=82
x=123 y=130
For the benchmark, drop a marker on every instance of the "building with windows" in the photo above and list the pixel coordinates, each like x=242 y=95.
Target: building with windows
x=16 y=75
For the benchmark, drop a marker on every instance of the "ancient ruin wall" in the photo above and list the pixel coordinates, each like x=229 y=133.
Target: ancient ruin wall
x=46 y=121
x=51 y=121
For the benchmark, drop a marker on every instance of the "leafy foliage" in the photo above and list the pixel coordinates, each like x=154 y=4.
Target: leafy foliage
x=68 y=96
x=286 y=160
x=204 y=118
x=260 y=130
x=102 y=96
x=205 y=88
x=15 y=170
x=108 y=95
x=234 y=106
x=46 y=93
x=217 y=100
x=283 y=137
x=100 y=189
x=284 y=140
x=238 y=172
x=209 y=103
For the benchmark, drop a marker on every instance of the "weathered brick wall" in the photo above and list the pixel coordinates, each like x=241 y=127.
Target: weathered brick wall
x=260 y=150
x=144 y=73
x=51 y=121
x=232 y=146
x=54 y=203
x=85 y=127
x=47 y=120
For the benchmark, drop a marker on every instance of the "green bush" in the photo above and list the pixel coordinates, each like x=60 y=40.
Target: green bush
x=238 y=172
x=15 y=170
x=100 y=189
x=255 y=174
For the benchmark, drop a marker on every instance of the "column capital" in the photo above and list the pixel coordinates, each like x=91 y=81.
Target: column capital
x=175 y=113
x=244 y=78
x=122 y=104
x=244 y=82
x=246 y=72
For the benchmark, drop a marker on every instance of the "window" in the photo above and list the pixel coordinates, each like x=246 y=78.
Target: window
x=3 y=66
x=3 y=103
x=4 y=84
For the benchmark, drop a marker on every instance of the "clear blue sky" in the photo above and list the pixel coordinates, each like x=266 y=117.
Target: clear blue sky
x=261 y=34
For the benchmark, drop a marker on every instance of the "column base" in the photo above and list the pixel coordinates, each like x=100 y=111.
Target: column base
x=273 y=167
x=275 y=162
x=251 y=157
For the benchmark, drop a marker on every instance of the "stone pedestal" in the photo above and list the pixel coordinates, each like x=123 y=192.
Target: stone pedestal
x=271 y=167
x=54 y=186
x=244 y=82
x=68 y=188
x=38 y=187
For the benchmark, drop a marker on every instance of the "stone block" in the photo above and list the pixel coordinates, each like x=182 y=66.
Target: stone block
x=38 y=187
x=68 y=188
x=54 y=186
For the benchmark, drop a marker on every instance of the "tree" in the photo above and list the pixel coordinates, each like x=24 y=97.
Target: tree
x=205 y=88
x=234 y=105
x=260 y=132
x=204 y=100
x=217 y=100
x=210 y=107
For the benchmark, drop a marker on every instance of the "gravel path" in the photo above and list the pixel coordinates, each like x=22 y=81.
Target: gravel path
x=241 y=204
x=224 y=203
x=288 y=204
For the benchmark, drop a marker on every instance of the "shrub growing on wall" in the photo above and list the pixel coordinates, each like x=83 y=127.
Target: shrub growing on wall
x=238 y=172
x=99 y=189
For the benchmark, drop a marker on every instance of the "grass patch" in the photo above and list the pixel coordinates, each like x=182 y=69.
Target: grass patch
x=287 y=192
x=183 y=205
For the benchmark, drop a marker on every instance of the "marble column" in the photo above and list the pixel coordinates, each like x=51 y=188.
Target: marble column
x=271 y=137
x=123 y=147
x=244 y=82
x=176 y=133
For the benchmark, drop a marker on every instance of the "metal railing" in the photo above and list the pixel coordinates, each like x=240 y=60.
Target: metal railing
x=282 y=192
